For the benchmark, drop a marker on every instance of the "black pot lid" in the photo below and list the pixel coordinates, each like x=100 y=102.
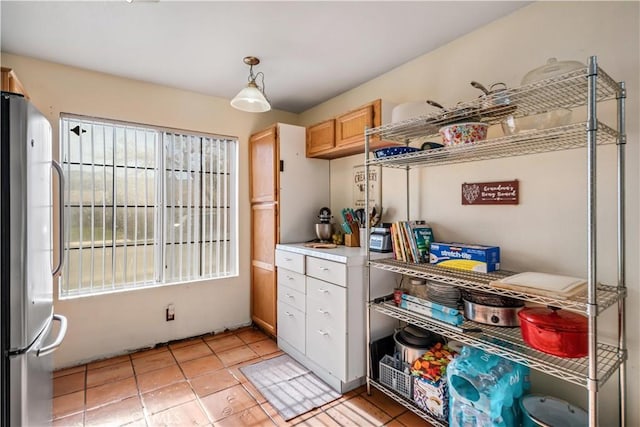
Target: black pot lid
x=415 y=336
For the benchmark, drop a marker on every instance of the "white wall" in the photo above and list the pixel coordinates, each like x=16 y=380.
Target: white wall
x=547 y=230
x=106 y=325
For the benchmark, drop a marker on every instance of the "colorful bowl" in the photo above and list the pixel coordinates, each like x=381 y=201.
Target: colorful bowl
x=464 y=133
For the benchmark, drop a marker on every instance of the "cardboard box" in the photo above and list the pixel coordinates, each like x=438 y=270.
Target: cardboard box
x=430 y=387
x=482 y=259
x=432 y=397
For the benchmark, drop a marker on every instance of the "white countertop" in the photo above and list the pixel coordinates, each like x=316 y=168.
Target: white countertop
x=343 y=254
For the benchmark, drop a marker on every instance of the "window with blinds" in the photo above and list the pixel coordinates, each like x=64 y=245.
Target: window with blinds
x=145 y=206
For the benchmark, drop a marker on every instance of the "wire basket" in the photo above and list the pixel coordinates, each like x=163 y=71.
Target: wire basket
x=392 y=375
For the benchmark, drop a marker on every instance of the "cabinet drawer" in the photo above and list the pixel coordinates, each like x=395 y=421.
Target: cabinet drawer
x=290 y=261
x=292 y=280
x=326 y=293
x=291 y=326
x=327 y=314
x=293 y=297
x=329 y=271
x=326 y=344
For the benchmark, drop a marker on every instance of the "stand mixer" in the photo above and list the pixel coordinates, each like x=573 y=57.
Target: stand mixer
x=324 y=229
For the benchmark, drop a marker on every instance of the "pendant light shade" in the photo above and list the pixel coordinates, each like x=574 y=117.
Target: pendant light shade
x=251 y=98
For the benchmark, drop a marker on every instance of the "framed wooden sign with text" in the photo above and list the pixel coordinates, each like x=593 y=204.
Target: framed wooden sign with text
x=375 y=191
x=491 y=193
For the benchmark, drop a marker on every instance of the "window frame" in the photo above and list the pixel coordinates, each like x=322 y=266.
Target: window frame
x=161 y=204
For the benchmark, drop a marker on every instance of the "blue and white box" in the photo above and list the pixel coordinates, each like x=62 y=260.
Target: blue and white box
x=479 y=258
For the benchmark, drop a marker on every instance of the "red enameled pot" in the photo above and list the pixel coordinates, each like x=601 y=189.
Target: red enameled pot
x=558 y=332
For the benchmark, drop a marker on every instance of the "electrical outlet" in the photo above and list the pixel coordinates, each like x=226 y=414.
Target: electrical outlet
x=170 y=313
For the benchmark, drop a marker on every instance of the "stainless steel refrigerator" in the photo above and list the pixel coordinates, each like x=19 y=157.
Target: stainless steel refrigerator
x=26 y=270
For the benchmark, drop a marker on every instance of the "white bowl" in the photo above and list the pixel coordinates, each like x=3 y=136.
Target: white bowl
x=409 y=110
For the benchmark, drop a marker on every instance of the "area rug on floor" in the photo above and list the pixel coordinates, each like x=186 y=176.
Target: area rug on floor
x=288 y=386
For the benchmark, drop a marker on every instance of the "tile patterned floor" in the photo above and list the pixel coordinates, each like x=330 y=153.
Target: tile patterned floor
x=198 y=382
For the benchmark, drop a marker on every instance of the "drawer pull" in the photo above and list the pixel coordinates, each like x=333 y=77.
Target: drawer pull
x=323 y=333
x=288 y=314
x=289 y=295
x=323 y=290
x=321 y=311
x=290 y=277
x=288 y=259
x=324 y=268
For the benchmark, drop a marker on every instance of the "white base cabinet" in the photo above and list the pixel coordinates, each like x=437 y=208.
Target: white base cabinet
x=321 y=311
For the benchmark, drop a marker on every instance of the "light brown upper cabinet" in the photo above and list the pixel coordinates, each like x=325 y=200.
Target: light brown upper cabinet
x=321 y=137
x=10 y=82
x=344 y=135
x=350 y=126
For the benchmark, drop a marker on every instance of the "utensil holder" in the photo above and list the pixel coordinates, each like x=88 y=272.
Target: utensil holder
x=352 y=240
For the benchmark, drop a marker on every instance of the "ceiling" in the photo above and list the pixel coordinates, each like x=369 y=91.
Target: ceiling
x=309 y=51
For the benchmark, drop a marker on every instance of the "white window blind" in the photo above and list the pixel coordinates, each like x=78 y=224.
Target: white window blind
x=145 y=206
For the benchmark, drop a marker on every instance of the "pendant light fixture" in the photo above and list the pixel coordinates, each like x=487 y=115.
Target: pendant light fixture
x=252 y=99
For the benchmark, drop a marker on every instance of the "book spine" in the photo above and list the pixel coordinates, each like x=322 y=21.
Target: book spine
x=412 y=242
x=406 y=242
x=399 y=234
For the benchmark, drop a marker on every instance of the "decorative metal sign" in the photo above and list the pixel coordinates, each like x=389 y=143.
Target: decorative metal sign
x=491 y=193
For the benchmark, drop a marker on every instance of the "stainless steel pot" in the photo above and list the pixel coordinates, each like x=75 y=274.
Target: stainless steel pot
x=492 y=315
x=412 y=343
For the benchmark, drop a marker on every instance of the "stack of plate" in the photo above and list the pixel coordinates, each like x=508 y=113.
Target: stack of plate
x=442 y=294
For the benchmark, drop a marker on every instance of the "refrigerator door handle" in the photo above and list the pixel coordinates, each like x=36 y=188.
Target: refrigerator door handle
x=58 y=169
x=61 y=333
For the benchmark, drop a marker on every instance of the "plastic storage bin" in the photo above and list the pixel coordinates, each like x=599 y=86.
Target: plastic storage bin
x=395 y=374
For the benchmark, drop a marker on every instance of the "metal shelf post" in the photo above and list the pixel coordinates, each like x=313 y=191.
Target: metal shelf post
x=622 y=345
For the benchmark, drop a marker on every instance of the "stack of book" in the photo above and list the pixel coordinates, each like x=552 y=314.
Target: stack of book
x=410 y=241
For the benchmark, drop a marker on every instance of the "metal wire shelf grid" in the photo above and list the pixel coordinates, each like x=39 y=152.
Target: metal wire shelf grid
x=407 y=403
x=606 y=295
x=553 y=139
x=508 y=343
x=564 y=91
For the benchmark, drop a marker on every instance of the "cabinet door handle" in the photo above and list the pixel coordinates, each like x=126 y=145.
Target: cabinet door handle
x=321 y=311
x=288 y=314
x=323 y=333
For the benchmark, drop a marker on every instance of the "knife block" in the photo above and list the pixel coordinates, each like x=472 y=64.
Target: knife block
x=352 y=240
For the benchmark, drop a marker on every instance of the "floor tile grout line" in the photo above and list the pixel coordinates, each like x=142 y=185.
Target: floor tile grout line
x=145 y=410
x=188 y=380
x=198 y=397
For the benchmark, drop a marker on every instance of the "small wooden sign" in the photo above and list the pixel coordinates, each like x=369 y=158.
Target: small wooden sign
x=491 y=193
